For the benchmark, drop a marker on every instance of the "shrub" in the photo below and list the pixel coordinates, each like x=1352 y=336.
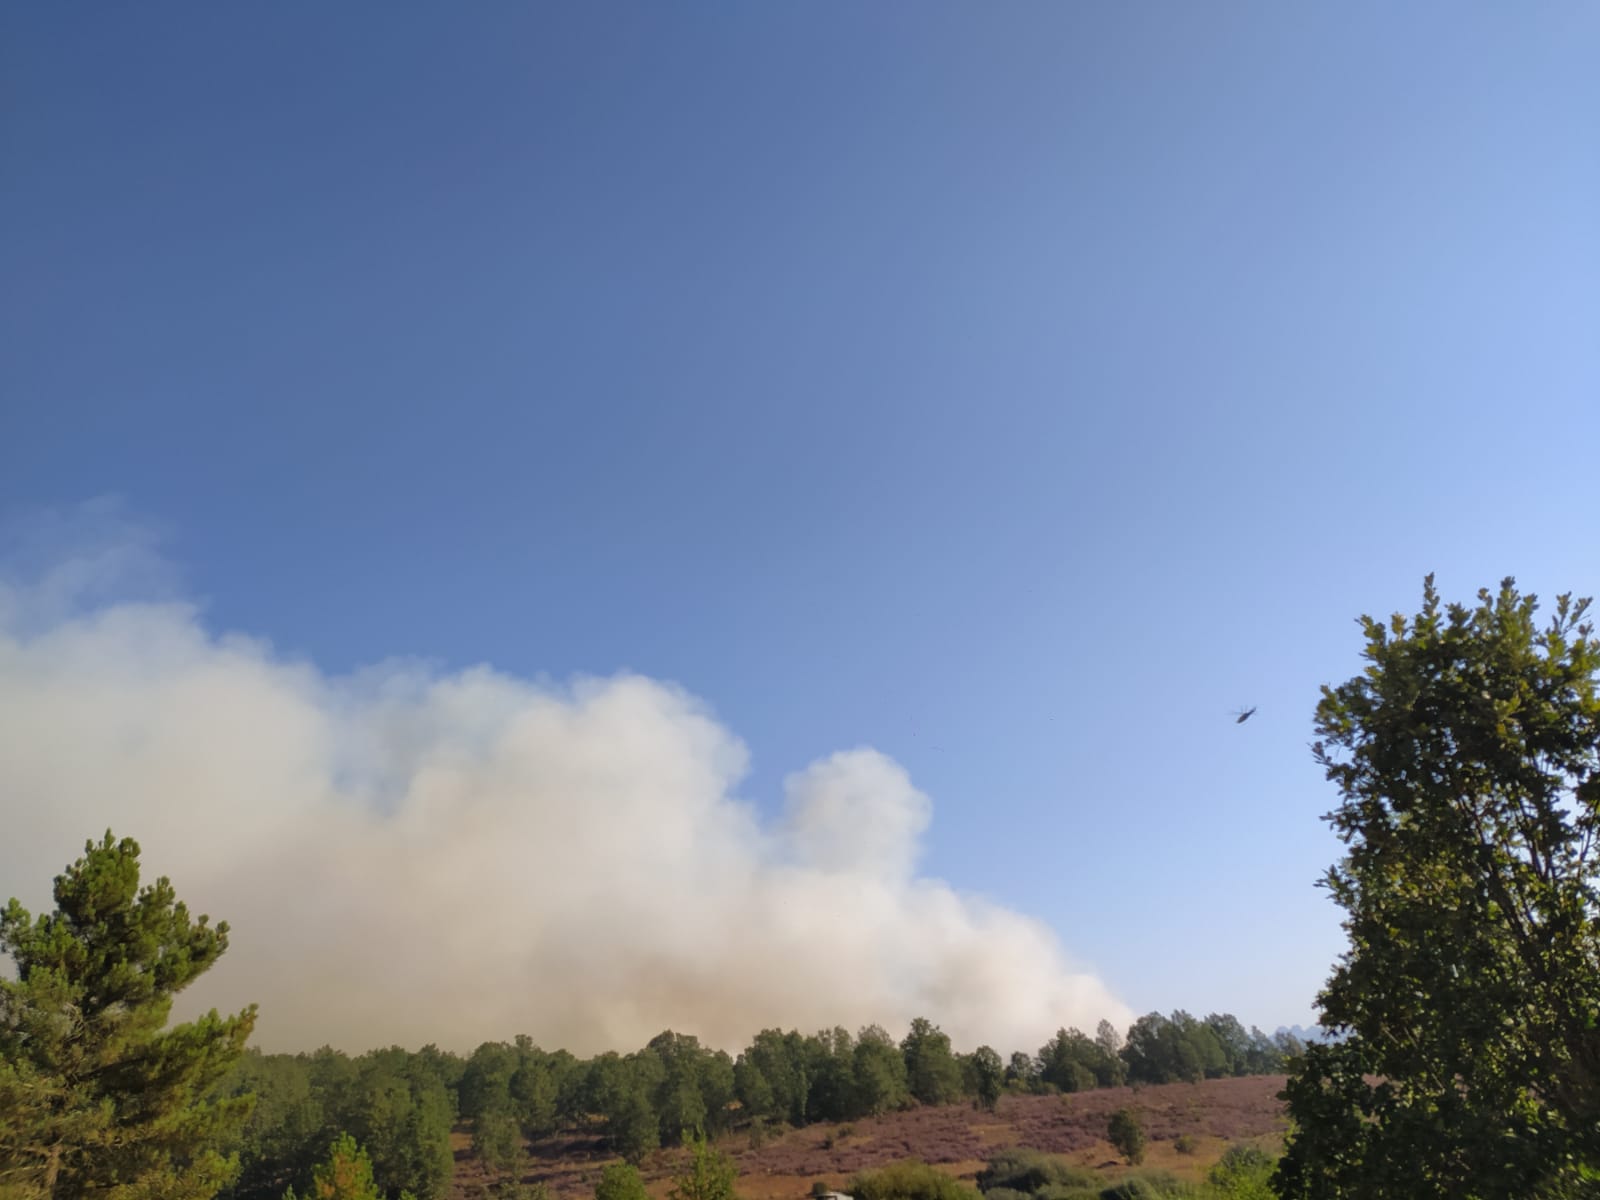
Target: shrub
x=1029 y=1171
x=710 y=1174
x=1126 y=1133
x=1242 y=1173
x=620 y=1181
x=909 y=1180
x=1149 y=1185
x=1241 y=1158
x=1086 y=1181
x=1185 y=1144
x=1005 y=1193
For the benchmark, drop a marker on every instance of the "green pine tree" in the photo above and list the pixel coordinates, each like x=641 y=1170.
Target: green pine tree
x=97 y=1096
x=709 y=1174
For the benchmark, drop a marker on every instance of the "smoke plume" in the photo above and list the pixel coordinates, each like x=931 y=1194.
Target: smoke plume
x=410 y=856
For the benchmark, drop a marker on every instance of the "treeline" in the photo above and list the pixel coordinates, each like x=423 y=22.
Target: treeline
x=401 y=1106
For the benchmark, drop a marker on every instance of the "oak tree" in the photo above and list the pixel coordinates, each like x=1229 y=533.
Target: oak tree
x=1467 y=761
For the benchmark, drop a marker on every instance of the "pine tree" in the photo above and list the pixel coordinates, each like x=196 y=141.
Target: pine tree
x=97 y=1096
x=709 y=1174
x=346 y=1174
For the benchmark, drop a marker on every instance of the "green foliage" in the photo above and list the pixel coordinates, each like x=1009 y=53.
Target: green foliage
x=879 y=1076
x=1022 y=1072
x=1030 y=1171
x=1073 y=1062
x=1148 y=1185
x=1168 y=1049
x=1243 y=1173
x=620 y=1181
x=760 y=1132
x=1126 y=1133
x=1467 y=761
x=932 y=1074
x=693 y=1087
x=486 y=1080
x=1072 y=1191
x=710 y=1175
x=346 y=1174
x=1232 y=1041
x=1185 y=1143
x=96 y=1094
x=987 y=1077
x=772 y=1078
x=534 y=1088
x=830 y=1076
x=397 y=1108
x=395 y=1104
x=497 y=1142
x=908 y=1180
x=620 y=1090
x=787 y=1078
x=1114 y=1072
x=284 y=1133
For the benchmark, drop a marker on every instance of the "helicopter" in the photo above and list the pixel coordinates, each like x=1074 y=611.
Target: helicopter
x=1241 y=715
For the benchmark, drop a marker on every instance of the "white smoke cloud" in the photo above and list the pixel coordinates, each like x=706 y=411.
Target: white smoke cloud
x=407 y=856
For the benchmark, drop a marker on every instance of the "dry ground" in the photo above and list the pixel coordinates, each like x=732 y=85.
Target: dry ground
x=956 y=1138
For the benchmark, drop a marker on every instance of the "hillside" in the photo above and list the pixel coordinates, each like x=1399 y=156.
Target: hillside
x=958 y=1138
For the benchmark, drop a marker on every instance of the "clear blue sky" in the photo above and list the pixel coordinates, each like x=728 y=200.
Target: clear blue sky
x=1016 y=389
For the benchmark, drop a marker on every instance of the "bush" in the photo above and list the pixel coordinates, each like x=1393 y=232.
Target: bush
x=1185 y=1144
x=1242 y=1173
x=620 y=1181
x=1005 y=1193
x=1126 y=1133
x=910 y=1180
x=1029 y=1171
x=1149 y=1185
x=1242 y=1158
x=1087 y=1182
x=710 y=1174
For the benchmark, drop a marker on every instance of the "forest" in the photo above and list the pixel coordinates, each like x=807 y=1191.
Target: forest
x=401 y=1106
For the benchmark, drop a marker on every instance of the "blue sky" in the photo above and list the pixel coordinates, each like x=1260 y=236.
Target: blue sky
x=1014 y=389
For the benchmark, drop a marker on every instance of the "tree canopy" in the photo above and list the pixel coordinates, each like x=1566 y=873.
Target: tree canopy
x=1467 y=761
x=97 y=1095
